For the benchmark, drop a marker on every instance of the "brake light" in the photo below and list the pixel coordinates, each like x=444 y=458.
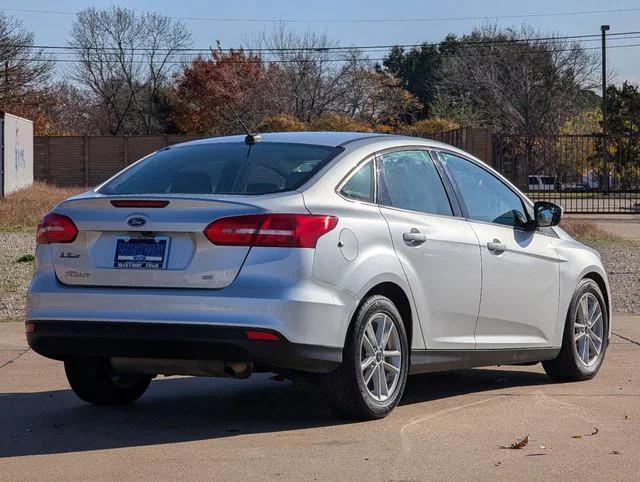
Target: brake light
x=56 y=228
x=270 y=230
x=139 y=203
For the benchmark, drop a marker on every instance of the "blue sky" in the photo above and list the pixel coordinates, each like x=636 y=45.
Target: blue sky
x=51 y=29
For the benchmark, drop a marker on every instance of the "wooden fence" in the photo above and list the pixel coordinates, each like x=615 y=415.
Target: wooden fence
x=90 y=160
x=475 y=140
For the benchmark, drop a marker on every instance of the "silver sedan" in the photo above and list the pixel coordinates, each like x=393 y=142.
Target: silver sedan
x=355 y=259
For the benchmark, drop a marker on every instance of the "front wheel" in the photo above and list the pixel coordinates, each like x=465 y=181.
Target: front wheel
x=373 y=374
x=585 y=338
x=94 y=381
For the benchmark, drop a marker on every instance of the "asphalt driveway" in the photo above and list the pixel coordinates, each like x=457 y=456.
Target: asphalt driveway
x=449 y=426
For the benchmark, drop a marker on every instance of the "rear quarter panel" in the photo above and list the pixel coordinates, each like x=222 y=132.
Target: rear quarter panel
x=358 y=254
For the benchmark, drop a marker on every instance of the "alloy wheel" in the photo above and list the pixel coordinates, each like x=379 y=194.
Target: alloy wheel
x=380 y=357
x=588 y=331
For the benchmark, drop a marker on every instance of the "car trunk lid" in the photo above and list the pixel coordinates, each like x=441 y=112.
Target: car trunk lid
x=128 y=242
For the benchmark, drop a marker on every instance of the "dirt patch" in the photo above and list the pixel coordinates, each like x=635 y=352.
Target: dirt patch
x=21 y=211
x=590 y=232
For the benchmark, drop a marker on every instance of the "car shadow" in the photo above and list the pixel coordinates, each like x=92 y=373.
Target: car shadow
x=189 y=409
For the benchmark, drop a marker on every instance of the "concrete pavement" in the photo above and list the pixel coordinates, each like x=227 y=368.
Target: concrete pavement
x=449 y=426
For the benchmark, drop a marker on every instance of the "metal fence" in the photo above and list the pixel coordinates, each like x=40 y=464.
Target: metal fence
x=571 y=170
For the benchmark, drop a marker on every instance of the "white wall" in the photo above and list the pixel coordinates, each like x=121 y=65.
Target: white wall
x=18 y=153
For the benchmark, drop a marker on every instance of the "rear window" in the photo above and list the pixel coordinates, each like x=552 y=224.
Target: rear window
x=223 y=168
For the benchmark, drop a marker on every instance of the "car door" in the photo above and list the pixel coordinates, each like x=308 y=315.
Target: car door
x=438 y=250
x=520 y=265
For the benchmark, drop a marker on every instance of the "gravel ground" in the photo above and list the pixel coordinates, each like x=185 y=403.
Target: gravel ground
x=14 y=276
x=621 y=259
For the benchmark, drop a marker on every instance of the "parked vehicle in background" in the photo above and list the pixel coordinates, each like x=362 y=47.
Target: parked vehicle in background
x=542 y=183
x=356 y=259
x=591 y=181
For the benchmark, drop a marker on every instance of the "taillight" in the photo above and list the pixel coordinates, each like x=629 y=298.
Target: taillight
x=56 y=228
x=270 y=230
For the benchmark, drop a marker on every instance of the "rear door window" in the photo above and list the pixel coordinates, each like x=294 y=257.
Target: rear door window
x=409 y=180
x=223 y=168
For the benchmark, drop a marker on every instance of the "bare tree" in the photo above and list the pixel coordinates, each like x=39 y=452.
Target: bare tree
x=314 y=76
x=124 y=61
x=22 y=66
x=520 y=84
x=516 y=81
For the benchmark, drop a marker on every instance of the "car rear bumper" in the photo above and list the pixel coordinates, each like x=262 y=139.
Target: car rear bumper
x=303 y=311
x=63 y=340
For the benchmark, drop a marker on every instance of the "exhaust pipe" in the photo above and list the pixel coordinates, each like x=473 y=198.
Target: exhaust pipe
x=238 y=369
x=168 y=367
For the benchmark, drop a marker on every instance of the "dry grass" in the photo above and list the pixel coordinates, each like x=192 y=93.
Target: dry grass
x=22 y=210
x=589 y=232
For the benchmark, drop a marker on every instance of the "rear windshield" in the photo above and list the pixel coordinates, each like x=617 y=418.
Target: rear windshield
x=223 y=168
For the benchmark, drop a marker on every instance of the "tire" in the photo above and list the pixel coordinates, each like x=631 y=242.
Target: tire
x=570 y=365
x=348 y=392
x=94 y=381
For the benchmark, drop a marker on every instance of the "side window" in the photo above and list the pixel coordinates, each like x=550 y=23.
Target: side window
x=487 y=198
x=409 y=180
x=360 y=185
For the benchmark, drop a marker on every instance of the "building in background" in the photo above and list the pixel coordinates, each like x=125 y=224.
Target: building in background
x=16 y=171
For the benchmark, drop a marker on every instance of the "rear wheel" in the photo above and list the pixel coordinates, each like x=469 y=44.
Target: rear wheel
x=94 y=381
x=373 y=374
x=585 y=336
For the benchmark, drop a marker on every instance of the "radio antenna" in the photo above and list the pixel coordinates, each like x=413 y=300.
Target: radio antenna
x=250 y=138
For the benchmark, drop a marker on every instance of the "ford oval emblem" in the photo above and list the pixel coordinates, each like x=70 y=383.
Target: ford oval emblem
x=136 y=222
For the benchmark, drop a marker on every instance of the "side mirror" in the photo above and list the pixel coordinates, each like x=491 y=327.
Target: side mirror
x=547 y=214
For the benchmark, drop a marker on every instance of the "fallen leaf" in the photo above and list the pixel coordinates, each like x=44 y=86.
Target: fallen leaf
x=517 y=445
x=616 y=452
x=595 y=431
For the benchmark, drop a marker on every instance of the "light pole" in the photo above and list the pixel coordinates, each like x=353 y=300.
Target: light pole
x=605 y=177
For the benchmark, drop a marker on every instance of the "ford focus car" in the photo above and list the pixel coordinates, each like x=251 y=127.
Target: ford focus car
x=353 y=259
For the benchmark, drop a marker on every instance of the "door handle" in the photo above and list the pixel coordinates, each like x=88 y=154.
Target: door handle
x=414 y=237
x=496 y=247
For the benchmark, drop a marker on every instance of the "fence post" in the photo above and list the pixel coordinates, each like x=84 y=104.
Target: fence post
x=47 y=162
x=86 y=160
x=489 y=146
x=125 y=151
x=467 y=140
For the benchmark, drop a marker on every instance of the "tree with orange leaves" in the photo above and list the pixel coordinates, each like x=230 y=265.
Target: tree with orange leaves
x=212 y=94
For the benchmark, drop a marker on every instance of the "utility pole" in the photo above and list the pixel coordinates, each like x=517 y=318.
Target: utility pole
x=604 y=186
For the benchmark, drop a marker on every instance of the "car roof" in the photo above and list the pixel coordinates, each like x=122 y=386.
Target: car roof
x=333 y=139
